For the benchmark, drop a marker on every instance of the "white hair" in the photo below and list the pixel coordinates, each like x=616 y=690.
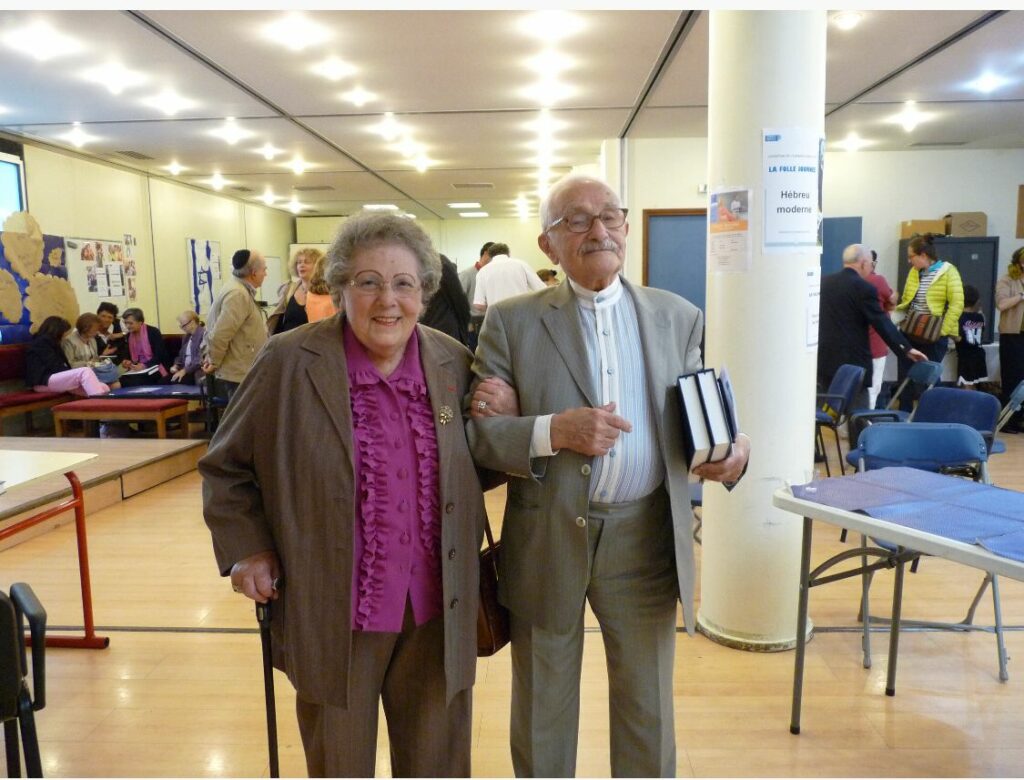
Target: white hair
x=854 y=253
x=559 y=187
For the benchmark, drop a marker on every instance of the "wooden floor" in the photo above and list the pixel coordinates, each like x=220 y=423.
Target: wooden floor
x=179 y=690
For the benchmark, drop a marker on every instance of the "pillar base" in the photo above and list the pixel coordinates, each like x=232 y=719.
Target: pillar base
x=750 y=642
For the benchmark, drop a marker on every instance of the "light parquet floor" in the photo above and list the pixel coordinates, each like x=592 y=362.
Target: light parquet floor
x=183 y=696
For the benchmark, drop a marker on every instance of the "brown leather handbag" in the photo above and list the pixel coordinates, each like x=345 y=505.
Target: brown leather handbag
x=922 y=327
x=492 y=618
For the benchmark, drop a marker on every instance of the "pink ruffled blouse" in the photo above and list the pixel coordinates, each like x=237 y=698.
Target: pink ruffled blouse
x=396 y=549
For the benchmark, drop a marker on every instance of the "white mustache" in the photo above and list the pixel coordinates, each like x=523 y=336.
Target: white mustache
x=600 y=246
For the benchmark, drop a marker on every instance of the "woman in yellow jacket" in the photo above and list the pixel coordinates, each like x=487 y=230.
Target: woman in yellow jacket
x=933 y=286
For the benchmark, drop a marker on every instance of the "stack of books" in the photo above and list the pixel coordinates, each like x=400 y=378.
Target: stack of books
x=709 y=416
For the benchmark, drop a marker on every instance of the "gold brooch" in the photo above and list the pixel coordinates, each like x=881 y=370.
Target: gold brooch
x=445 y=415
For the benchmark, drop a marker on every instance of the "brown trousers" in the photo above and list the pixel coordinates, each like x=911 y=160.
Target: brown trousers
x=405 y=671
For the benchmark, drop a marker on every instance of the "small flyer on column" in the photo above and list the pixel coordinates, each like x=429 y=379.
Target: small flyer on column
x=729 y=249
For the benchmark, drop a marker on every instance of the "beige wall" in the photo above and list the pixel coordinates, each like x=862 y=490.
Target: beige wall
x=73 y=197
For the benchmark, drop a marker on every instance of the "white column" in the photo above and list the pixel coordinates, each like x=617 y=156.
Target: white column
x=767 y=71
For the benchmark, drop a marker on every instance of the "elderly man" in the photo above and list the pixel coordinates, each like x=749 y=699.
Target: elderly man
x=598 y=506
x=849 y=304
x=236 y=328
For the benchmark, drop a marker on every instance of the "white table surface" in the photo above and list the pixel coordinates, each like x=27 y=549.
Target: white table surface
x=19 y=467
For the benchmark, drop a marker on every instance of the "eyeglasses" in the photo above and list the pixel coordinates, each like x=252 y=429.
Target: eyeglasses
x=370 y=283
x=581 y=221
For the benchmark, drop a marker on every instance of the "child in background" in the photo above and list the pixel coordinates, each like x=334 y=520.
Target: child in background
x=969 y=352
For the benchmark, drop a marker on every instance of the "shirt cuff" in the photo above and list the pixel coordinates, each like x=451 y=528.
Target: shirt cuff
x=540 y=442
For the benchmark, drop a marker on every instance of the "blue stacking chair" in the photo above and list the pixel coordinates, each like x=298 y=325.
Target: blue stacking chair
x=938 y=447
x=17 y=701
x=1012 y=407
x=834 y=408
x=920 y=378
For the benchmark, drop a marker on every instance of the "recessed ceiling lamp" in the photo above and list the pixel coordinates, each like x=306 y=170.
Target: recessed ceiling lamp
x=408 y=148
x=522 y=207
x=463 y=205
x=333 y=69
x=547 y=92
x=217 y=181
x=269 y=151
x=388 y=128
x=294 y=206
x=231 y=131
x=847 y=20
x=545 y=124
x=298 y=165
x=988 y=82
x=41 y=41
x=296 y=31
x=549 y=62
x=474 y=214
x=422 y=163
x=174 y=168
x=358 y=97
x=910 y=117
x=852 y=142
x=380 y=207
x=169 y=102
x=407 y=215
x=268 y=197
x=77 y=137
x=114 y=76
x=551 y=25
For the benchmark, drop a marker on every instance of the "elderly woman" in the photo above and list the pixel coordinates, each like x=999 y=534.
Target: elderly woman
x=1010 y=302
x=111 y=341
x=340 y=484
x=80 y=349
x=47 y=367
x=290 y=311
x=934 y=287
x=189 y=361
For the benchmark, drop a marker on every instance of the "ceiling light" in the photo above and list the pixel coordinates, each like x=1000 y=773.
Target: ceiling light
x=217 y=181
x=852 y=142
x=269 y=151
x=296 y=31
x=294 y=206
x=463 y=205
x=910 y=117
x=268 y=197
x=474 y=214
x=388 y=128
x=547 y=92
x=174 y=168
x=231 y=132
x=551 y=25
x=407 y=215
x=169 y=101
x=358 y=97
x=549 y=62
x=114 y=76
x=77 y=136
x=545 y=124
x=380 y=207
x=333 y=69
x=298 y=165
x=422 y=163
x=522 y=207
x=988 y=82
x=408 y=148
x=41 y=41
x=847 y=20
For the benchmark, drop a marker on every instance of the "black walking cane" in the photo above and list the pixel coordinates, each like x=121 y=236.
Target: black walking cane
x=263 y=618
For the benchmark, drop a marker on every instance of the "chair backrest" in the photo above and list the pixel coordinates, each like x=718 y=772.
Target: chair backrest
x=953 y=405
x=1012 y=406
x=11 y=672
x=846 y=382
x=925 y=446
x=924 y=375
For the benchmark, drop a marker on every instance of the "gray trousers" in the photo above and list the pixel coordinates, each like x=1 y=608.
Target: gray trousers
x=405 y=671
x=633 y=590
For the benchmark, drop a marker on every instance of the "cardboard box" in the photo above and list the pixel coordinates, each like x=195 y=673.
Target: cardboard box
x=913 y=227
x=967 y=223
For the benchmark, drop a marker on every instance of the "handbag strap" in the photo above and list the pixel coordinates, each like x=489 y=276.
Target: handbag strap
x=487 y=531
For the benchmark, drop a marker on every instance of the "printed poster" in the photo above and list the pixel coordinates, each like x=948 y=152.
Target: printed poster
x=729 y=249
x=204 y=272
x=792 y=160
x=96 y=269
x=813 y=287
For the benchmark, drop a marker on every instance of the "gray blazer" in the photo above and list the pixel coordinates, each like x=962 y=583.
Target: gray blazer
x=535 y=343
x=279 y=475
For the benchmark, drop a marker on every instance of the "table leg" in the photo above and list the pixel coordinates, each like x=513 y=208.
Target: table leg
x=894 y=629
x=801 y=627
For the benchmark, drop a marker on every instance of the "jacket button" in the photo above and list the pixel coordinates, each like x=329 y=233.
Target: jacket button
x=585 y=471
x=581 y=522
x=449 y=508
x=451 y=554
x=454 y=604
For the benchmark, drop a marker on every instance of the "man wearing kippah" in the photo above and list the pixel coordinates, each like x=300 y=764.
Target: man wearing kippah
x=236 y=329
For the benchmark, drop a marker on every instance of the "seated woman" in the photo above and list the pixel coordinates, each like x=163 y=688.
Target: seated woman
x=146 y=351
x=79 y=347
x=111 y=341
x=319 y=302
x=189 y=360
x=47 y=369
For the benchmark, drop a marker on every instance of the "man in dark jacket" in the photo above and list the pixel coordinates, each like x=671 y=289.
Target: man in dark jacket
x=448 y=310
x=849 y=304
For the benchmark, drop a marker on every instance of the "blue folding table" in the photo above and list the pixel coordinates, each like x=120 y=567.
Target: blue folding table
x=970 y=523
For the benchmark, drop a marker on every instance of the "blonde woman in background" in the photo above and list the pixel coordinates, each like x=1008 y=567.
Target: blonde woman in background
x=319 y=303
x=1010 y=302
x=290 y=311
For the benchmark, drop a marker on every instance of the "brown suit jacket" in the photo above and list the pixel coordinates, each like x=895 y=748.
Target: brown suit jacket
x=279 y=475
